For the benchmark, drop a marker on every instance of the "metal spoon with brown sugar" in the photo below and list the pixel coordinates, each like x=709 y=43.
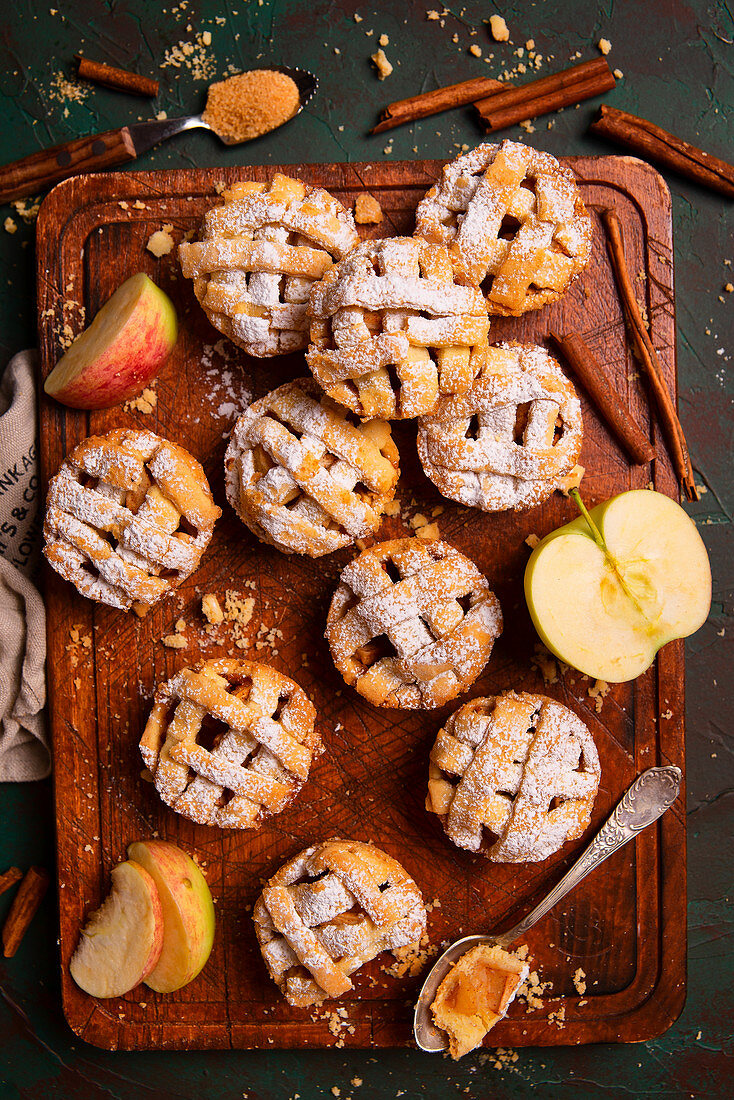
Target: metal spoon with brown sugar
x=235 y=112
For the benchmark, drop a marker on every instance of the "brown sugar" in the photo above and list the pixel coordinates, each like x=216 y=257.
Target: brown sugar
x=251 y=104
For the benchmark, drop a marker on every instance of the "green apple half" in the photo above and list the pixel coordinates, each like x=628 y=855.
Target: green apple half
x=188 y=913
x=606 y=591
x=125 y=346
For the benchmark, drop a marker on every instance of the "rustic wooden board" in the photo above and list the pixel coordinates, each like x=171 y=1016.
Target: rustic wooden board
x=625 y=926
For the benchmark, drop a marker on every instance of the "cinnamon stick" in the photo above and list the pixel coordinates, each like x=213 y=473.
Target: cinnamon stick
x=618 y=420
x=647 y=356
x=432 y=103
x=9 y=878
x=665 y=149
x=540 y=97
x=23 y=909
x=119 y=79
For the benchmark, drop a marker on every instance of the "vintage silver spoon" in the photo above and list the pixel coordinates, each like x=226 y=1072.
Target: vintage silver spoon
x=649 y=796
x=98 y=152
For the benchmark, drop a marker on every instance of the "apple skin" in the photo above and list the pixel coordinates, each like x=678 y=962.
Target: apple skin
x=122 y=940
x=580 y=609
x=127 y=343
x=188 y=913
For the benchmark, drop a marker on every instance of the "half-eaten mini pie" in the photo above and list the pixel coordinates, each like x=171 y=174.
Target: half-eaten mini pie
x=514 y=224
x=128 y=517
x=230 y=743
x=328 y=911
x=412 y=623
x=258 y=257
x=475 y=995
x=305 y=475
x=391 y=330
x=513 y=777
x=511 y=440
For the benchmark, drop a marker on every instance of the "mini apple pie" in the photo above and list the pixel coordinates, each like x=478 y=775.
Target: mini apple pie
x=304 y=475
x=230 y=743
x=511 y=440
x=391 y=330
x=328 y=911
x=258 y=257
x=514 y=224
x=475 y=995
x=412 y=623
x=128 y=517
x=513 y=777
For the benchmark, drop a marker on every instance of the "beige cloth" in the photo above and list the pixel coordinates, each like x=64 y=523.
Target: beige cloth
x=24 y=752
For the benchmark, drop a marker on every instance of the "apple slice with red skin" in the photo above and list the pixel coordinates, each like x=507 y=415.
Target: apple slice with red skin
x=122 y=940
x=188 y=913
x=125 y=346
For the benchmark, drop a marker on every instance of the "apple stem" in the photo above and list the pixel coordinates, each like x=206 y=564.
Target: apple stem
x=576 y=496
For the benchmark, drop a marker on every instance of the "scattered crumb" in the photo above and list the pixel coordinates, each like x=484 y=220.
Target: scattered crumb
x=432 y=15
x=411 y=959
x=428 y=531
x=532 y=541
x=618 y=74
x=527 y=126
x=572 y=480
x=558 y=1018
x=211 y=608
x=604 y=46
x=498 y=28
x=367 y=210
x=27 y=209
x=729 y=287
x=598 y=692
x=10 y=226
x=160 y=243
x=383 y=66
x=383 y=40
x=475 y=50
x=578 y=981
x=64 y=90
x=545 y=663
x=174 y=641
x=357 y=18
x=144 y=403
x=392 y=508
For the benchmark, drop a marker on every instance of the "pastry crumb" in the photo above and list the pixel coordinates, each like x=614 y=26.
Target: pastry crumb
x=618 y=74
x=174 y=641
x=160 y=243
x=498 y=28
x=143 y=403
x=578 y=981
x=598 y=692
x=475 y=51
x=604 y=46
x=532 y=541
x=383 y=40
x=392 y=508
x=10 y=226
x=545 y=663
x=428 y=531
x=367 y=210
x=572 y=480
x=211 y=608
x=381 y=63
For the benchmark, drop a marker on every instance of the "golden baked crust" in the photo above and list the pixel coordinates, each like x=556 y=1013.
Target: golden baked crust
x=391 y=330
x=328 y=911
x=508 y=442
x=303 y=476
x=412 y=623
x=258 y=257
x=230 y=743
x=128 y=517
x=513 y=777
x=514 y=224
x=475 y=995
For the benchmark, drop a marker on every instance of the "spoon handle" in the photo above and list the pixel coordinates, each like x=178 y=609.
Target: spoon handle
x=649 y=796
x=40 y=170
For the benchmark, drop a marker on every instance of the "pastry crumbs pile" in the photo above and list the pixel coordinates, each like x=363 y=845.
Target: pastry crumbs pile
x=598 y=692
x=251 y=104
x=143 y=403
x=78 y=644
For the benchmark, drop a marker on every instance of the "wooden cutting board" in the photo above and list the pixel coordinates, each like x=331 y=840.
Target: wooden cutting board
x=625 y=927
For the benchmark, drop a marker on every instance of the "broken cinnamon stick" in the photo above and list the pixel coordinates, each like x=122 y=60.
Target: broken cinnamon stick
x=540 y=97
x=618 y=420
x=432 y=103
x=665 y=149
x=23 y=909
x=647 y=356
x=119 y=79
x=9 y=878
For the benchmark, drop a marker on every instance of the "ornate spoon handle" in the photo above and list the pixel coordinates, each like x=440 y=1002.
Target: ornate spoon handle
x=649 y=796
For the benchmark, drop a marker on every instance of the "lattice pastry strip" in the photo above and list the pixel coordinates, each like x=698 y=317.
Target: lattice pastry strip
x=513 y=222
x=412 y=623
x=128 y=517
x=391 y=330
x=511 y=440
x=303 y=477
x=251 y=764
x=258 y=257
x=513 y=777
x=328 y=911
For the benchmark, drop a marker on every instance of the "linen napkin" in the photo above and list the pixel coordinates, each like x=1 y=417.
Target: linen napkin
x=24 y=751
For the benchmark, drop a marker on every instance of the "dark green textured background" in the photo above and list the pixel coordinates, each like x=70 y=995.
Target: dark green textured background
x=677 y=63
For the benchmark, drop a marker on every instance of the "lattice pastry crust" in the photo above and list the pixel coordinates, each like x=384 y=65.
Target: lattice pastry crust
x=511 y=440
x=303 y=476
x=513 y=777
x=412 y=623
x=128 y=517
x=230 y=743
x=328 y=911
x=258 y=257
x=391 y=331
x=514 y=224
